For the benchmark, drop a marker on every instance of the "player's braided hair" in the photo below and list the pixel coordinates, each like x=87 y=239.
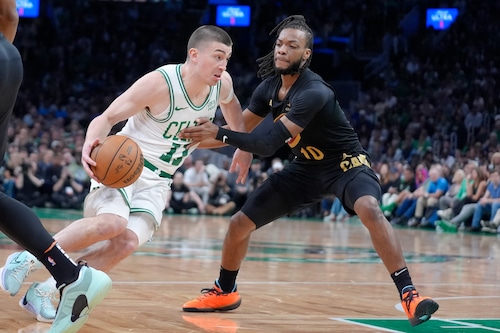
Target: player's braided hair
x=266 y=63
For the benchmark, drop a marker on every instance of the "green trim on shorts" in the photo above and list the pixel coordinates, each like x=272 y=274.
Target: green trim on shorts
x=125 y=197
x=147 y=211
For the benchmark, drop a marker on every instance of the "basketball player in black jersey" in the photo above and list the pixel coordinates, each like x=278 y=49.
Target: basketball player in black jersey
x=20 y=223
x=329 y=160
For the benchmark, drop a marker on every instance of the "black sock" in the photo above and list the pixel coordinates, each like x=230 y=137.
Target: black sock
x=402 y=279
x=227 y=280
x=62 y=268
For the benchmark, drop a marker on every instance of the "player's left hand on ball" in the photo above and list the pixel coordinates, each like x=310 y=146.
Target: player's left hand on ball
x=204 y=129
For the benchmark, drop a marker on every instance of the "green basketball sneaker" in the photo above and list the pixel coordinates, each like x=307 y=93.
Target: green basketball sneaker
x=17 y=267
x=38 y=301
x=79 y=298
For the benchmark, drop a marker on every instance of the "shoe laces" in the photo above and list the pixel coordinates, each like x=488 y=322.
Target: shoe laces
x=18 y=273
x=45 y=296
x=409 y=298
x=206 y=292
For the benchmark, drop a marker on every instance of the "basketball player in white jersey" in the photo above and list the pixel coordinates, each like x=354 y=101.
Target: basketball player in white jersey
x=158 y=106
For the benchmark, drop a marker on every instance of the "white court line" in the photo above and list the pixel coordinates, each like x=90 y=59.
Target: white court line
x=317 y=283
x=465 y=297
x=458 y=324
x=366 y=325
x=469 y=325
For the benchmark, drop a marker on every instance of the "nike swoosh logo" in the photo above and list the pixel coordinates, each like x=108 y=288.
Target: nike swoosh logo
x=224 y=138
x=401 y=271
x=16 y=259
x=178 y=108
x=80 y=308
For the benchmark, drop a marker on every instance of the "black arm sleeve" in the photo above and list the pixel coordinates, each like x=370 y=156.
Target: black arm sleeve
x=264 y=145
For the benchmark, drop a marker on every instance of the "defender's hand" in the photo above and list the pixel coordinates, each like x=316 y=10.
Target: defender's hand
x=204 y=129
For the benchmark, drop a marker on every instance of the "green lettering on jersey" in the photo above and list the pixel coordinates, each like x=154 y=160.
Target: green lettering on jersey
x=169 y=157
x=174 y=128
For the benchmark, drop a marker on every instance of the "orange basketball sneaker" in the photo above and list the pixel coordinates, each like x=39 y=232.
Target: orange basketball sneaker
x=212 y=300
x=418 y=309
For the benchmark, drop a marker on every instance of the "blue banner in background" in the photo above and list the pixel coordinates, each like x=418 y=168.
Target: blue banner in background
x=28 y=8
x=232 y=16
x=441 y=18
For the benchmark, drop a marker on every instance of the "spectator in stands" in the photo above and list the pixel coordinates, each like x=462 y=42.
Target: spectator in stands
x=396 y=194
x=188 y=163
x=48 y=171
x=406 y=209
x=489 y=203
x=421 y=144
x=475 y=184
x=386 y=176
x=456 y=192
x=495 y=161
x=75 y=168
x=220 y=201
x=67 y=191
x=337 y=211
x=421 y=174
x=8 y=183
x=427 y=204
x=196 y=178
x=182 y=199
x=29 y=185
x=473 y=120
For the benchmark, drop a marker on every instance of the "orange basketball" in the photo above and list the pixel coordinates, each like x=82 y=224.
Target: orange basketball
x=119 y=161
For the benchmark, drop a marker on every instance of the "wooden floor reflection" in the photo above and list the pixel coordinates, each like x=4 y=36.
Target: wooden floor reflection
x=299 y=276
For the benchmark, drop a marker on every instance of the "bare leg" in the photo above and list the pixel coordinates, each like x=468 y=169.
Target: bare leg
x=107 y=254
x=233 y=252
x=384 y=238
x=236 y=241
x=87 y=231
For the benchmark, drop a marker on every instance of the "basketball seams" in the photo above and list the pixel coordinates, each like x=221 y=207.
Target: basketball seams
x=114 y=156
x=132 y=165
x=117 y=146
x=117 y=151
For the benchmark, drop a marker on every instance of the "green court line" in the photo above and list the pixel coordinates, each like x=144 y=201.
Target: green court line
x=436 y=325
x=58 y=214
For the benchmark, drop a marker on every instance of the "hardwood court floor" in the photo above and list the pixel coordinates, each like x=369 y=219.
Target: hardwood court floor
x=299 y=276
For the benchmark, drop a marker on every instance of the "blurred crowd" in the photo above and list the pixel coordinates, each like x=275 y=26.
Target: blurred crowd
x=431 y=109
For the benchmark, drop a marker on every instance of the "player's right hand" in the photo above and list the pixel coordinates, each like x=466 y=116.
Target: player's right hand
x=86 y=160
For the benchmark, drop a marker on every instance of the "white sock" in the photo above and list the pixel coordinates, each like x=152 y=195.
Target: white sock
x=50 y=282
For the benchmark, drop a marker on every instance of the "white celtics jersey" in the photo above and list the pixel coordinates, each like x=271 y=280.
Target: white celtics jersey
x=163 y=151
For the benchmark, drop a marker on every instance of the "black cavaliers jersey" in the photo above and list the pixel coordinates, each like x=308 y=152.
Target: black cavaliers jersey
x=311 y=104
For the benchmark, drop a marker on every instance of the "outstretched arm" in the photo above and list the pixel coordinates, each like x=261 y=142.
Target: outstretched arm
x=264 y=145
